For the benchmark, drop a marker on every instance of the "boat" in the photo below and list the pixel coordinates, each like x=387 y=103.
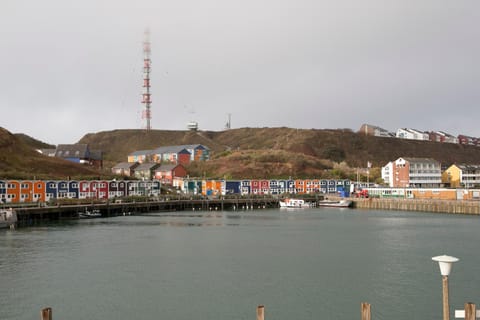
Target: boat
x=89 y=214
x=8 y=218
x=294 y=203
x=336 y=203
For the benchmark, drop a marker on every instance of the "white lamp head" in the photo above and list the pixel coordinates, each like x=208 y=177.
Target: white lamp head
x=445 y=263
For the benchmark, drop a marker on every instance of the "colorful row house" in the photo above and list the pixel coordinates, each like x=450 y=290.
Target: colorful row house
x=166 y=173
x=263 y=187
x=24 y=191
x=183 y=154
x=150 y=170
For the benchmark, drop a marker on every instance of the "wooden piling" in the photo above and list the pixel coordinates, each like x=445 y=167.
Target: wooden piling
x=260 y=313
x=470 y=311
x=46 y=314
x=365 y=311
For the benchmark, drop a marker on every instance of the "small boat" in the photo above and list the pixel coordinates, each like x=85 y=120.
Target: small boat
x=294 y=203
x=335 y=203
x=89 y=214
x=8 y=218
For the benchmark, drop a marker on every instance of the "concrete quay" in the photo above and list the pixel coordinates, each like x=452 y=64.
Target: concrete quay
x=430 y=205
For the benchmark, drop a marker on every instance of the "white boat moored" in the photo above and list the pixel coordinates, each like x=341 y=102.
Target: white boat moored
x=8 y=218
x=294 y=203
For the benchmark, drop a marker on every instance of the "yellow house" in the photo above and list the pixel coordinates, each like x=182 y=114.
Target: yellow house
x=452 y=176
x=463 y=175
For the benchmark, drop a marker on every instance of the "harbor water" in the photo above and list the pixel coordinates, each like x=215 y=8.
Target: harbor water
x=304 y=264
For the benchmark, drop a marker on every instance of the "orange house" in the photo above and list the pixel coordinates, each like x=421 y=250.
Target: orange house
x=211 y=187
x=39 y=191
x=13 y=191
x=300 y=186
x=26 y=191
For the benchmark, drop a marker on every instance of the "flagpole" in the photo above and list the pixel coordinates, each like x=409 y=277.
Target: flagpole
x=369 y=165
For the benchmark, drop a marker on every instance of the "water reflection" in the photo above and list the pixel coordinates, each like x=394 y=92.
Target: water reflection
x=301 y=264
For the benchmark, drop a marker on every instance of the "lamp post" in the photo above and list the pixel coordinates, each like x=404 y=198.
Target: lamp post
x=445 y=264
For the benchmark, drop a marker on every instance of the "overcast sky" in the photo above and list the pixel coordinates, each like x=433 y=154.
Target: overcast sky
x=68 y=68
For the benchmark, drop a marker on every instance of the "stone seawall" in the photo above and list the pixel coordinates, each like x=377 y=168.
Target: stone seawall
x=440 y=206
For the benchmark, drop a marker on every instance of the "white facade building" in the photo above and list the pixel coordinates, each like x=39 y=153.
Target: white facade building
x=387 y=174
x=412 y=134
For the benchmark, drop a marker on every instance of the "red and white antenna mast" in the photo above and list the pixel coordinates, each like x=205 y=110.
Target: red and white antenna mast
x=146 y=96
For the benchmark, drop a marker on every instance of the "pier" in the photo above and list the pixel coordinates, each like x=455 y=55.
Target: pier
x=27 y=215
x=30 y=214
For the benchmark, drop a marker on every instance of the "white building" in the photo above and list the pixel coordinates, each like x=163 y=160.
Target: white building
x=387 y=174
x=447 y=138
x=412 y=172
x=412 y=134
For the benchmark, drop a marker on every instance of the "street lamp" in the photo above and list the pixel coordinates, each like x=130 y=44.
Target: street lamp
x=445 y=264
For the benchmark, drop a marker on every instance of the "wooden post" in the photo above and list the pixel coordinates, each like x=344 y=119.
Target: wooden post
x=446 y=307
x=365 y=311
x=46 y=314
x=260 y=313
x=470 y=311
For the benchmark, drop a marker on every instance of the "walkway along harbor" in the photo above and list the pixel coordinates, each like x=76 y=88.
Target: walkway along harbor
x=27 y=215
x=430 y=205
x=30 y=214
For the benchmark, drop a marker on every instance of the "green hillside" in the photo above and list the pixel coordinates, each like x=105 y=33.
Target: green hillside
x=281 y=152
x=19 y=160
x=237 y=153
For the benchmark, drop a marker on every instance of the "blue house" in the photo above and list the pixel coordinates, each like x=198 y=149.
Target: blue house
x=62 y=189
x=73 y=189
x=51 y=191
x=232 y=187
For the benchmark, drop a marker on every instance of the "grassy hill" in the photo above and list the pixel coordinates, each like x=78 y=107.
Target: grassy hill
x=19 y=160
x=281 y=152
x=32 y=142
x=237 y=153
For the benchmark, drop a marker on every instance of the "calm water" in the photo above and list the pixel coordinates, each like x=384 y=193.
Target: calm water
x=308 y=264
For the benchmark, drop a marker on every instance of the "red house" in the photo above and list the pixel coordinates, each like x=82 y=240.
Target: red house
x=167 y=172
x=260 y=186
x=99 y=189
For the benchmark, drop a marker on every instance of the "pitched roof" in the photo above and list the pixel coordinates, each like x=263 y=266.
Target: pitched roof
x=194 y=146
x=126 y=165
x=168 y=167
x=147 y=166
x=420 y=160
x=468 y=167
x=141 y=153
x=72 y=151
x=170 y=149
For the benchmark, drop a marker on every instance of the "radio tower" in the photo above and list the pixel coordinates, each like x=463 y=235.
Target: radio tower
x=146 y=114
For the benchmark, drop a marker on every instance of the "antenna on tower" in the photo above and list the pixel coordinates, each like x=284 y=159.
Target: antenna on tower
x=146 y=96
x=228 y=125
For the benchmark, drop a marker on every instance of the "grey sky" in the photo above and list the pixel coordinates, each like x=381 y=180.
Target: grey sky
x=73 y=67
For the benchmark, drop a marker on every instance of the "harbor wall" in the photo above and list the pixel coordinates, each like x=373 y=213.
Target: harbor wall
x=431 y=205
